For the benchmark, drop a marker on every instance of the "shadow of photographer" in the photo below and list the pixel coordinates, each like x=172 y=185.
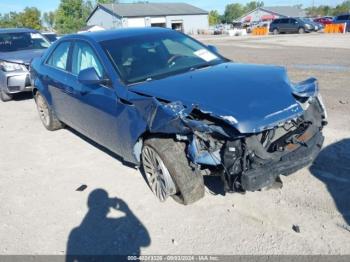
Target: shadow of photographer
x=99 y=235
x=332 y=167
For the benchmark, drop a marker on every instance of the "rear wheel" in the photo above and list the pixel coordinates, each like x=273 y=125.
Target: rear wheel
x=168 y=173
x=275 y=31
x=5 y=96
x=47 y=116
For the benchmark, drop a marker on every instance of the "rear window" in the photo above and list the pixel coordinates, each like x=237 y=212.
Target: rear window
x=10 y=42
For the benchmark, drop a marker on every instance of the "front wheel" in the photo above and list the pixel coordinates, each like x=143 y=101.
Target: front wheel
x=47 y=116
x=168 y=173
x=301 y=30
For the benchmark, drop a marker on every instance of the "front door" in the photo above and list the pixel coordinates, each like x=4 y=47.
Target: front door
x=96 y=105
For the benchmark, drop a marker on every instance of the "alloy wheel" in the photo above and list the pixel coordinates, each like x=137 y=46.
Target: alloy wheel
x=157 y=174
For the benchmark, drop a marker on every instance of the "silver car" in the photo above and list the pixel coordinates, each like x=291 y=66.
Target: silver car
x=18 y=47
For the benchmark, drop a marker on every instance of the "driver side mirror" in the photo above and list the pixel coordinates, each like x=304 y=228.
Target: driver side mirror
x=89 y=76
x=213 y=49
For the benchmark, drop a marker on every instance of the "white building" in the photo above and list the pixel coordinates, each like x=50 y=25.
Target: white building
x=178 y=16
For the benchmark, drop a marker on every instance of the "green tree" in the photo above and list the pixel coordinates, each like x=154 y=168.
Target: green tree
x=233 y=11
x=49 y=19
x=107 y=1
x=30 y=18
x=214 y=17
x=342 y=8
x=71 y=15
x=253 y=5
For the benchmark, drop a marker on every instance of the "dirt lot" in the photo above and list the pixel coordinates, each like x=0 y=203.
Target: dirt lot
x=40 y=172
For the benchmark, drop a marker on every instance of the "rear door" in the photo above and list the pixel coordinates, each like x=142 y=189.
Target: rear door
x=56 y=77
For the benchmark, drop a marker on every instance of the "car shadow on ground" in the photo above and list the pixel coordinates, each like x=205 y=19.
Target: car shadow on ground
x=100 y=235
x=22 y=96
x=102 y=148
x=332 y=167
x=214 y=185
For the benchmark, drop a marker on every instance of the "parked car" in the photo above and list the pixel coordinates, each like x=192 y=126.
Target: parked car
x=317 y=26
x=177 y=108
x=291 y=25
x=345 y=18
x=17 y=48
x=324 y=20
x=52 y=37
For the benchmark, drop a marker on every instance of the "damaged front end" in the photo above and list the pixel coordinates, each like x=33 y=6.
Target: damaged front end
x=245 y=161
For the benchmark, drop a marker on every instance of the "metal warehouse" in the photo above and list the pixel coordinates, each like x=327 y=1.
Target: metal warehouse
x=178 y=16
x=271 y=13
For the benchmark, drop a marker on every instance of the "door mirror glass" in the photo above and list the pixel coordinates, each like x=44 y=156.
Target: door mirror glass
x=89 y=76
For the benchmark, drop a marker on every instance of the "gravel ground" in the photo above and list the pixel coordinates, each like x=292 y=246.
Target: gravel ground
x=42 y=213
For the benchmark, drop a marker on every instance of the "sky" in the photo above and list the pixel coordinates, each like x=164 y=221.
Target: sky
x=50 y=5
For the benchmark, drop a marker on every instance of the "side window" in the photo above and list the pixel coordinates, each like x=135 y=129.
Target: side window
x=84 y=57
x=292 y=21
x=284 y=21
x=59 y=56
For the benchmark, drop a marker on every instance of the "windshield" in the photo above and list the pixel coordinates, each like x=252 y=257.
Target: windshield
x=159 y=55
x=10 y=42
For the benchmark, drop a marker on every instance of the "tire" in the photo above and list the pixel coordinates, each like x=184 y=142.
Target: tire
x=47 y=116
x=5 y=97
x=187 y=185
x=275 y=31
x=301 y=30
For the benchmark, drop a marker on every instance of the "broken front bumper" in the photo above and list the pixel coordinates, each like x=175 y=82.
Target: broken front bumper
x=265 y=176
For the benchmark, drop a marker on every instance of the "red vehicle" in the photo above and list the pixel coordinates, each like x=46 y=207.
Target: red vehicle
x=324 y=20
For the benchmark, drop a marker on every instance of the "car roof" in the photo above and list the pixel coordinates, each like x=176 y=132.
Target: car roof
x=106 y=35
x=17 y=30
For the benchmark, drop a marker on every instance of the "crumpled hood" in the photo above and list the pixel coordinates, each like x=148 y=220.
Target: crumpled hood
x=21 y=57
x=252 y=98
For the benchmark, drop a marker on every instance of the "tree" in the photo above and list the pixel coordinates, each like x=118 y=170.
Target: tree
x=71 y=15
x=49 y=19
x=233 y=11
x=107 y=1
x=253 y=5
x=214 y=17
x=342 y=8
x=30 y=18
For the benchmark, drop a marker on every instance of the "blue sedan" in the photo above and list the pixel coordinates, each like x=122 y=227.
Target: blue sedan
x=180 y=110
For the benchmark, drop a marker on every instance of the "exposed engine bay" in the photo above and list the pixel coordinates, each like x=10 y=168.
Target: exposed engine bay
x=252 y=162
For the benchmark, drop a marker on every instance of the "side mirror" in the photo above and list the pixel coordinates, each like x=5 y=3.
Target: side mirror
x=89 y=76
x=213 y=49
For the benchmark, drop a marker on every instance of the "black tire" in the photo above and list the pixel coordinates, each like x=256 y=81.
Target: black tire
x=189 y=184
x=5 y=97
x=301 y=30
x=275 y=31
x=48 y=118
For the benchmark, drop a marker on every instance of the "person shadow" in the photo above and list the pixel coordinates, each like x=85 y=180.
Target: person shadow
x=101 y=238
x=332 y=167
